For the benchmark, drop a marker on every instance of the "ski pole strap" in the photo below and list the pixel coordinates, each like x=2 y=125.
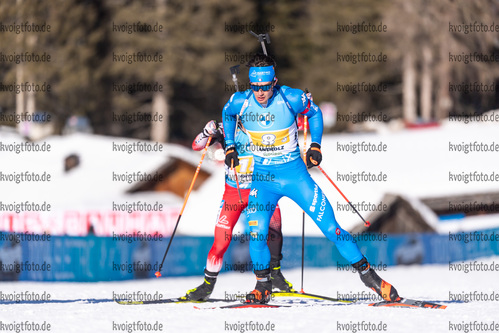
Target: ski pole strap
x=307 y=108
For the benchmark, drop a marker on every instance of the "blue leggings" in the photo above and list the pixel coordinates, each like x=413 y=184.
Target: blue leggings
x=270 y=183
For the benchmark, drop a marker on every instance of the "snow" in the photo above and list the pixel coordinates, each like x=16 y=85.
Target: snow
x=478 y=222
x=430 y=282
x=91 y=187
x=91 y=183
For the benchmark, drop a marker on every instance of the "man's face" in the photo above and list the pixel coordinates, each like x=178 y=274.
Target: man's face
x=263 y=96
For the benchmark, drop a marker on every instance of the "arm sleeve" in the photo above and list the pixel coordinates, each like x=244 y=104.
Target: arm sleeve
x=315 y=122
x=302 y=104
x=229 y=121
x=201 y=139
x=229 y=118
x=199 y=142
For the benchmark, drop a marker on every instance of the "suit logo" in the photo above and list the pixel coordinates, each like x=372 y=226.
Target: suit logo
x=266 y=120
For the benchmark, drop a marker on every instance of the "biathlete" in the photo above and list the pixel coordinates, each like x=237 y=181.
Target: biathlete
x=268 y=114
x=230 y=210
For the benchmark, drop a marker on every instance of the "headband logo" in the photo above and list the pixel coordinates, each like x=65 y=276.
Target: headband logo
x=262 y=74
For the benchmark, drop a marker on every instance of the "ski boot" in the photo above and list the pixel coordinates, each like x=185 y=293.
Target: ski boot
x=263 y=288
x=203 y=291
x=279 y=283
x=373 y=281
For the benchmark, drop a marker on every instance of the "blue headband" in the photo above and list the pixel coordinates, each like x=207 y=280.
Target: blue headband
x=261 y=74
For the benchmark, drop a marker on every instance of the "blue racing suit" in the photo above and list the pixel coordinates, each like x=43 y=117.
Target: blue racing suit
x=278 y=169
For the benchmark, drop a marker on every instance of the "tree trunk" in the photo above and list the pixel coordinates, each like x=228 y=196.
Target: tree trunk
x=409 y=88
x=444 y=101
x=19 y=78
x=426 y=85
x=20 y=96
x=159 y=128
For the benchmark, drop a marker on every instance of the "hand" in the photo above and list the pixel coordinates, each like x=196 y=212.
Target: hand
x=314 y=155
x=231 y=159
x=309 y=96
x=210 y=129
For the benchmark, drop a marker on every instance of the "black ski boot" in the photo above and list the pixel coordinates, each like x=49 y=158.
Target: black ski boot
x=373 y=281
x=263 y=288
x=203 y=291
x=279 y=283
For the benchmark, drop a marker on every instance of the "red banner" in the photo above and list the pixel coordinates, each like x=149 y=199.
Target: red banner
x=100 y=223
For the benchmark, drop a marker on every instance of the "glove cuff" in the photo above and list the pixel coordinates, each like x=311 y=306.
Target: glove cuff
x=315 y=146
x=230 y=147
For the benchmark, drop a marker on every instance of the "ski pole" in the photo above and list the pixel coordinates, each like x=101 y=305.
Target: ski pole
x=158 y=273
x=305 y=124
x=237 y=181
x=234 y=70
x=366 y=223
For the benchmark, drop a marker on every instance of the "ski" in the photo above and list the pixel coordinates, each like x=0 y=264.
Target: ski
x=169 y=301
x=79 y=300
x=213 y=300
x=244 y=306
x=403 y=303
x=409 y=303
x=286 y=300
x=310 y=296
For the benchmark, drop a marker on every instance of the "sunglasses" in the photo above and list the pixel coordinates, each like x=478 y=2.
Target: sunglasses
x=264 y=88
